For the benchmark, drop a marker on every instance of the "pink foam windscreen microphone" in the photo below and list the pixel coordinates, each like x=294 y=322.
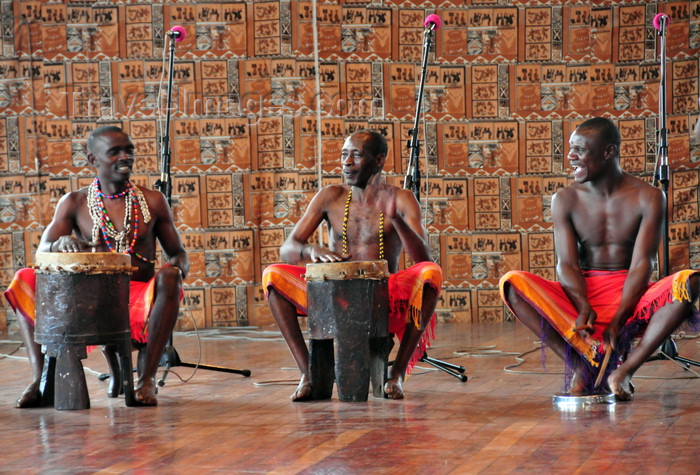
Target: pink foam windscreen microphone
x=178 y=32
x=658 y=18
x=433 y=22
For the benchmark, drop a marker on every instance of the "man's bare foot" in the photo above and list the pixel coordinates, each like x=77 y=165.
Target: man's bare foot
x=578 y=387
x=303 y=392
x=621 y=386
x=394 y=388
x=145 y=393
x=31 y=397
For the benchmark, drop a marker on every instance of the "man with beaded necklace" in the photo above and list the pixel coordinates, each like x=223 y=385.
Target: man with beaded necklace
x=368 y=219
x=112 y=214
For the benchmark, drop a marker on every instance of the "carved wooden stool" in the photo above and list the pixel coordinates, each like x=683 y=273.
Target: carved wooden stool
x=81 y=299
x=348 y=302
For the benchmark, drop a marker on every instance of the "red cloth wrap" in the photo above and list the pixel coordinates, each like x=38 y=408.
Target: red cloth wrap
x=604 y=292
x=21 y=295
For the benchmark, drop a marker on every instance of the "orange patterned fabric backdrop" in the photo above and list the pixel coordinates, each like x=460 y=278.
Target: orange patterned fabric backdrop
x=264 y=93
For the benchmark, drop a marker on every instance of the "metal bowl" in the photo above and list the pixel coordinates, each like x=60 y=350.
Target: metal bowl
x=568 y=402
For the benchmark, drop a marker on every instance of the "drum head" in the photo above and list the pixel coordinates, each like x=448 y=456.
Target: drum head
x=83 y=262
x=373 y=270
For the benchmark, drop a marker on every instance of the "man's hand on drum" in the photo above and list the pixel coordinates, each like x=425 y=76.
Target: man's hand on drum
x=323 y=254
x=72 y=244
x=382 y=194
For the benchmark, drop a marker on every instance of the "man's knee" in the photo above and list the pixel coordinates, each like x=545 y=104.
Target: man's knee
x=694 y=284
x=509 y=294
x=169 y=281
x=430 y=292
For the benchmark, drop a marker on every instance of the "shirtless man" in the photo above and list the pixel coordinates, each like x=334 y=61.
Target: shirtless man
x=607 y=230
x=357 y=207
x=80 y=224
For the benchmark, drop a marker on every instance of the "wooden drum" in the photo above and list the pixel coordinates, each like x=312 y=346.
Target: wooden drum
x=348 y=302
x=82 y=299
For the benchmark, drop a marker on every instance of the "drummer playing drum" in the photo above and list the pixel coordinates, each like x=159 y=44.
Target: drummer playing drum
x=112 y=214
x=368 y=219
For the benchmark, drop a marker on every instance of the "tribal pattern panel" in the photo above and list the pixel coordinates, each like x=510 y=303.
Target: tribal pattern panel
x=264 y=93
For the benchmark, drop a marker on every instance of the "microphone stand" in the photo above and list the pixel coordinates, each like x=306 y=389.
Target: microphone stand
x=668 y=349
x=412 y=182
x=412 y=179
x=170 y=356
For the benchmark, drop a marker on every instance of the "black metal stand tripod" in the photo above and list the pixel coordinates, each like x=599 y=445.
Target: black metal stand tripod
x=170 y=356
x=449 y=368
x=412 y=179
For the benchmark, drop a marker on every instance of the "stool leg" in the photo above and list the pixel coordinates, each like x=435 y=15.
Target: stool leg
x=115 y=386
x=352 y=367
x=48 y=384
x=379 y=349
x=127 y=371
x=321 y=373
x=71 y=388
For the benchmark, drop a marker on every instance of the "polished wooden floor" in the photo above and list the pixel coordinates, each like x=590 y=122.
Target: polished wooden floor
x=499 y=421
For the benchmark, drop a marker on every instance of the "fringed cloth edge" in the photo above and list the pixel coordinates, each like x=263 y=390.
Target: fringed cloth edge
x=546 y=298
x=406 y=298
x=21 y=295
x=405 y=295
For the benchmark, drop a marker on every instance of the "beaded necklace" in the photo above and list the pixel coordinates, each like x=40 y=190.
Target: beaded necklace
x=102 y=224
x=345 y=227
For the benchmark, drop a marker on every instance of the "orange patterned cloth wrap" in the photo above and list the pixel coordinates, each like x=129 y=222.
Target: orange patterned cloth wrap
x=405 y=295
x=22 y=298
x=604 y=291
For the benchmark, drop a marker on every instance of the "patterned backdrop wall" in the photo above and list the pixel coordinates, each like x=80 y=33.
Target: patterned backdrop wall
x=265 y=91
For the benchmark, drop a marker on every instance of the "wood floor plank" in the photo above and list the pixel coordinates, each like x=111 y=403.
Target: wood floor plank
x=496 y=422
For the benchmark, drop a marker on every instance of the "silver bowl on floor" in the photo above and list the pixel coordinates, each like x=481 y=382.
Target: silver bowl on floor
x=568 y=402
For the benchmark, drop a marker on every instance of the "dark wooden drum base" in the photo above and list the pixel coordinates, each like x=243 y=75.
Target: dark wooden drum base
x=348 y=302
x=81 y=299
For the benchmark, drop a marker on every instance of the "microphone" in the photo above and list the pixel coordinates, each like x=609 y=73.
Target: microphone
x=178 y=33
x=661 y=21
x=432 y=23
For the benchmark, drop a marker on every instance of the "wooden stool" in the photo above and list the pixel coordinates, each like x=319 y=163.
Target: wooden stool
x=348 y=302
x=81 y=299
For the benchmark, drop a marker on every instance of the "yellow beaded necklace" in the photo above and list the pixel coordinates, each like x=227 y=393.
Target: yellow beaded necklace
x=345 y=227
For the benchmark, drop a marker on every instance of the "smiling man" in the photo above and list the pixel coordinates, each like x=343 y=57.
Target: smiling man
x=607 y=230
x=367 y=220
x=113 y=215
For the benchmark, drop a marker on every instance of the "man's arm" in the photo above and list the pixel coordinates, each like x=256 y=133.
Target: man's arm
x=568 y=268
x=408 y=225
x=58 y=235
x=167 y=234
x=401 y=207
x=652 y=205
x=295 y=248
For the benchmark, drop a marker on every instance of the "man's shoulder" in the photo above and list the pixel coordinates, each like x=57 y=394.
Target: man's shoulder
x=641 y=185
x=157 y=204
x=641 y=191
x=76 y=196
x=333 y=190
x=568 y=192
x=150 y=195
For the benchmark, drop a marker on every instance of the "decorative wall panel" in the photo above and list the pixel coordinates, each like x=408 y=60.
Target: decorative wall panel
x=264 y=93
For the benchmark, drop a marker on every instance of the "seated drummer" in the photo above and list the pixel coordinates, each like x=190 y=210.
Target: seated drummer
x=367 y=220
x=607 y=230
x=112 y=214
